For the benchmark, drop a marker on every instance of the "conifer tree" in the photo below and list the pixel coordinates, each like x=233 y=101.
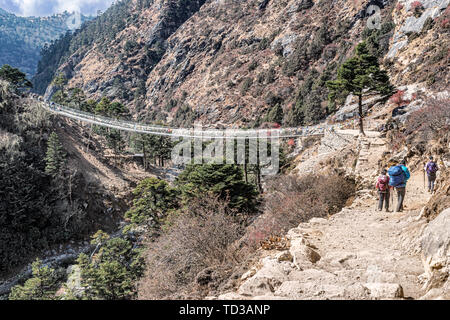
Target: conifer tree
x=360 y=75
x=14 y=76
x=223 y=180
x=113 y=272
x=42 y=286
x=154 y=200
x=55 y=157
x=275 y=114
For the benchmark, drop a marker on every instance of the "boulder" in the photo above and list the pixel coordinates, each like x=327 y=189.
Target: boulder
x=284 y=256
x=384 y=290
x=302 y=252
x=265 y=280
x=435 y=244
x=310 y=290
x=318 y=221
x=250 y=273
x=258 y=286
x=230 y=296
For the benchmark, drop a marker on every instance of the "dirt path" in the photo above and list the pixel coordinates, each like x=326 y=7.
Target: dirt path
x=359 y=253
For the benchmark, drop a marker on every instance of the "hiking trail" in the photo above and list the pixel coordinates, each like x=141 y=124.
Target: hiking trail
x=358 y=253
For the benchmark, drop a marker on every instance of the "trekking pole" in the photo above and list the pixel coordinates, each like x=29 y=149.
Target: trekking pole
x=424 y=185
x=392 y=199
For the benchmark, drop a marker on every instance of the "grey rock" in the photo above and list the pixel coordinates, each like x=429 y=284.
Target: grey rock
x=435 y=243
x=286 y=42
x=384 y=290
x=395 y=48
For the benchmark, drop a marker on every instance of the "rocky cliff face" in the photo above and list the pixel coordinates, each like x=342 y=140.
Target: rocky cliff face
x=435 y=246
x=232 y=61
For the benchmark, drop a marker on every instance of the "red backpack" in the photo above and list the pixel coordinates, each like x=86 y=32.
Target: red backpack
x=383 y=183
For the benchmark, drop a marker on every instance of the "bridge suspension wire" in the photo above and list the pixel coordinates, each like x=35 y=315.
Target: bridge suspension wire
x=194 y=133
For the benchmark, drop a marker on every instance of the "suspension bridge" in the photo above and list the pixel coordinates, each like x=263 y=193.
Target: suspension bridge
x=196 y=132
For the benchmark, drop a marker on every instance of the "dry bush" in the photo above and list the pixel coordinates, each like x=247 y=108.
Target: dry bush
x=202 y=237
x=291 y=200
x=398 y=98
x=430 y=120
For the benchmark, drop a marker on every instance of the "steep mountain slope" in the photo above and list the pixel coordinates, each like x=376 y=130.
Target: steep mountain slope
x=233 y=61
x=123 y=44
x=39 y=211
x=22 y=38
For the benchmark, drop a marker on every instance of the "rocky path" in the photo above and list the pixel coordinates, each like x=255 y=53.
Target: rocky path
x=359 y=253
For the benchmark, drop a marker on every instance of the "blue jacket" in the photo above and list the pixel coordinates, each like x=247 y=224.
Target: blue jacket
x=407 y=175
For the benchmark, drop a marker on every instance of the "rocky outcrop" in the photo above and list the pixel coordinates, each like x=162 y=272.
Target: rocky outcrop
x=414 y=24
x=435 y=245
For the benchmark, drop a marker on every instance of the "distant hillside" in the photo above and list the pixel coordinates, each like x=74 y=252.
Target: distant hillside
x=243 y=63
x=22 y=38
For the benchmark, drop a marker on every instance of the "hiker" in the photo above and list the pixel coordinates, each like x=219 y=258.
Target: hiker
x=431 y=168
x=399 y=175
x=383 y=190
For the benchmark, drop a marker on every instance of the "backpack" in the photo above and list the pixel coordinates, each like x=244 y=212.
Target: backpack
x=382 y=183
x=431 y=168
x=397 y=175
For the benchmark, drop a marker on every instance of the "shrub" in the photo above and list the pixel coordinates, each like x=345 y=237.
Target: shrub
x=246 y=84
x=253 y=66
x=444 y=19
x=290 y=200
x=201 y=237
x=431 y=119
x=397 y=98
x=417 y=8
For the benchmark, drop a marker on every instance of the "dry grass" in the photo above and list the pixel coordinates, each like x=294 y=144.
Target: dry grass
x=431 y=119
x=202 y=237
x=291 y=200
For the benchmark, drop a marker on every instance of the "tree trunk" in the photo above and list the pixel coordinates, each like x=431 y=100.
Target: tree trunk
x=258 y=178
x=145 y=156
x=89 y=139
x=245 y=172
x=361 y=116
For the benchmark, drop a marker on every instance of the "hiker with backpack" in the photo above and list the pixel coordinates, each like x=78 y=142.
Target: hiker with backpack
x=431 y=168
x=382 y=186
x=398 y=176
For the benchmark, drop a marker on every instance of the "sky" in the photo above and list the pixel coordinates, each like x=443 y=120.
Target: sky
x=48 y=7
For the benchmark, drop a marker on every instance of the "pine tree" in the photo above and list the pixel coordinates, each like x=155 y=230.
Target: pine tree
x=275 y=114
x=360 y=75
x=55 y=157
x=14 y=76
x=223 y=180
x=113 y=272
x=42 y=286
x=154 y=200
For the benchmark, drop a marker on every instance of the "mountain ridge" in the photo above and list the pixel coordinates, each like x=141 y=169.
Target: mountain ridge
x=22 y=38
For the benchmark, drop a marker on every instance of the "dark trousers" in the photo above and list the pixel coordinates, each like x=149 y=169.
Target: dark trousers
x=401 y=191
x=384 y=197
x=431 y=181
